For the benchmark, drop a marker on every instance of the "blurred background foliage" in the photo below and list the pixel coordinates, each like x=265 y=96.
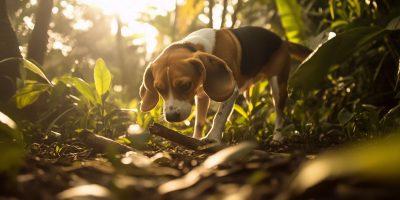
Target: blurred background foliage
x=346 y=91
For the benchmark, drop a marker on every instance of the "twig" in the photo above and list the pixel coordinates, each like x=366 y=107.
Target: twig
x=102 y=144
x=183 y=140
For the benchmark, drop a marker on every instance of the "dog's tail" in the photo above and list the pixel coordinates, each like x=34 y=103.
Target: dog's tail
x=298 y=52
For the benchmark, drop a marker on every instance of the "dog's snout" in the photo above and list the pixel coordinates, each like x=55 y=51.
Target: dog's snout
x=173 y=117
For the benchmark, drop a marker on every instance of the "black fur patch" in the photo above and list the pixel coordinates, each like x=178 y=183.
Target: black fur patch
x=258 y=45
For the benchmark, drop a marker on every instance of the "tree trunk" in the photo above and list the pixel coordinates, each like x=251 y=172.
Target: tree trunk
x=236 y=12
x=37 y=46
x=9 y=48
x=175 y=22
x=223 y=15
x=211 y=4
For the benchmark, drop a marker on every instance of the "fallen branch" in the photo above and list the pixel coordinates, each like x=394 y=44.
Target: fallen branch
x=183 y=140
x=102 y=144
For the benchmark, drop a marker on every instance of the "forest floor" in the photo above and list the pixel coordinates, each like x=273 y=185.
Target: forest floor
x=170 y=171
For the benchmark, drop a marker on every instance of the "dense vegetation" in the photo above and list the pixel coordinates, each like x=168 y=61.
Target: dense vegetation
x=69 y=66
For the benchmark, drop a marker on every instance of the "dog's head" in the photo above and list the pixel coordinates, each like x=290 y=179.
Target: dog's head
x=177 y=74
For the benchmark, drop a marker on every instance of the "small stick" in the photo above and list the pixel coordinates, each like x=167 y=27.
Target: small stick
x=183 y=140
x=102 y=144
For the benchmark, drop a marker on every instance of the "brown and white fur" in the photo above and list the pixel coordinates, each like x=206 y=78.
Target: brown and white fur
x=207 y=65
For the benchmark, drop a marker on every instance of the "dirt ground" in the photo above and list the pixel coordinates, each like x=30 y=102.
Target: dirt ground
x=169 y=171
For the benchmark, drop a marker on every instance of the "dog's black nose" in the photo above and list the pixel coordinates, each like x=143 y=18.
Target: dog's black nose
x=172 y=117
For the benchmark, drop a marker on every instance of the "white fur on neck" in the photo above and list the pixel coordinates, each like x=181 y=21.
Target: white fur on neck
x=204 y=37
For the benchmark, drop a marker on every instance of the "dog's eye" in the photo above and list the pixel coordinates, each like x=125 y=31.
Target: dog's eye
x=161 y=89
x=184 y=86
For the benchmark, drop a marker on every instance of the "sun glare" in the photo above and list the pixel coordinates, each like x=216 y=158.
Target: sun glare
x=130 y=12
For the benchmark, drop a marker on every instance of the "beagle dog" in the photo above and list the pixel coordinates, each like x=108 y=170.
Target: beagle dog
x=218 y=65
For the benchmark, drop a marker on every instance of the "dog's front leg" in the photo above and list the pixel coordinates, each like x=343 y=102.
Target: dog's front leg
x=224 y=110
x=202 y=103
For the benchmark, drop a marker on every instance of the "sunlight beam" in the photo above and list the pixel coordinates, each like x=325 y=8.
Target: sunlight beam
x=130 y=13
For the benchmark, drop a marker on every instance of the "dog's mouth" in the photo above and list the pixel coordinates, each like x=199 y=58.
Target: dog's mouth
x=175 y=116
x=177 y=111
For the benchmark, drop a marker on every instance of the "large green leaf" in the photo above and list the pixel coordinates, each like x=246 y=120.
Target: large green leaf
x=31 y=67
x=35 y=69
x=290 y=13
x=102 y=77
x=30 y=93
x=335 y=51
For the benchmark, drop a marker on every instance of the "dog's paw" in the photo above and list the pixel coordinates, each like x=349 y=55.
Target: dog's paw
x=210 y=140
x=275 y=143
x=213 y=136
x=278 y=138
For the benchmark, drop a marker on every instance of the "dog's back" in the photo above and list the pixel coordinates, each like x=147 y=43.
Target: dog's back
x=258 y=46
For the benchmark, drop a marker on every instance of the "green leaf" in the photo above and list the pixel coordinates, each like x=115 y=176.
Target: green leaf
x=254 y=96
x=338 y=23
x=344 y=116
x=394 y=24
x=332 y=9
x=313 y=71
x=35 y=69
x=83 y=88
x=391 y=114
x=241 y=111
x=29 y=94
x=355 y=4
x=102 y=77
x=290 y=14
x=30 y=66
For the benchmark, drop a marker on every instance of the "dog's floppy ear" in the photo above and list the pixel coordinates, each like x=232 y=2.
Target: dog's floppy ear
x=148 y=92
x=218 y=80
